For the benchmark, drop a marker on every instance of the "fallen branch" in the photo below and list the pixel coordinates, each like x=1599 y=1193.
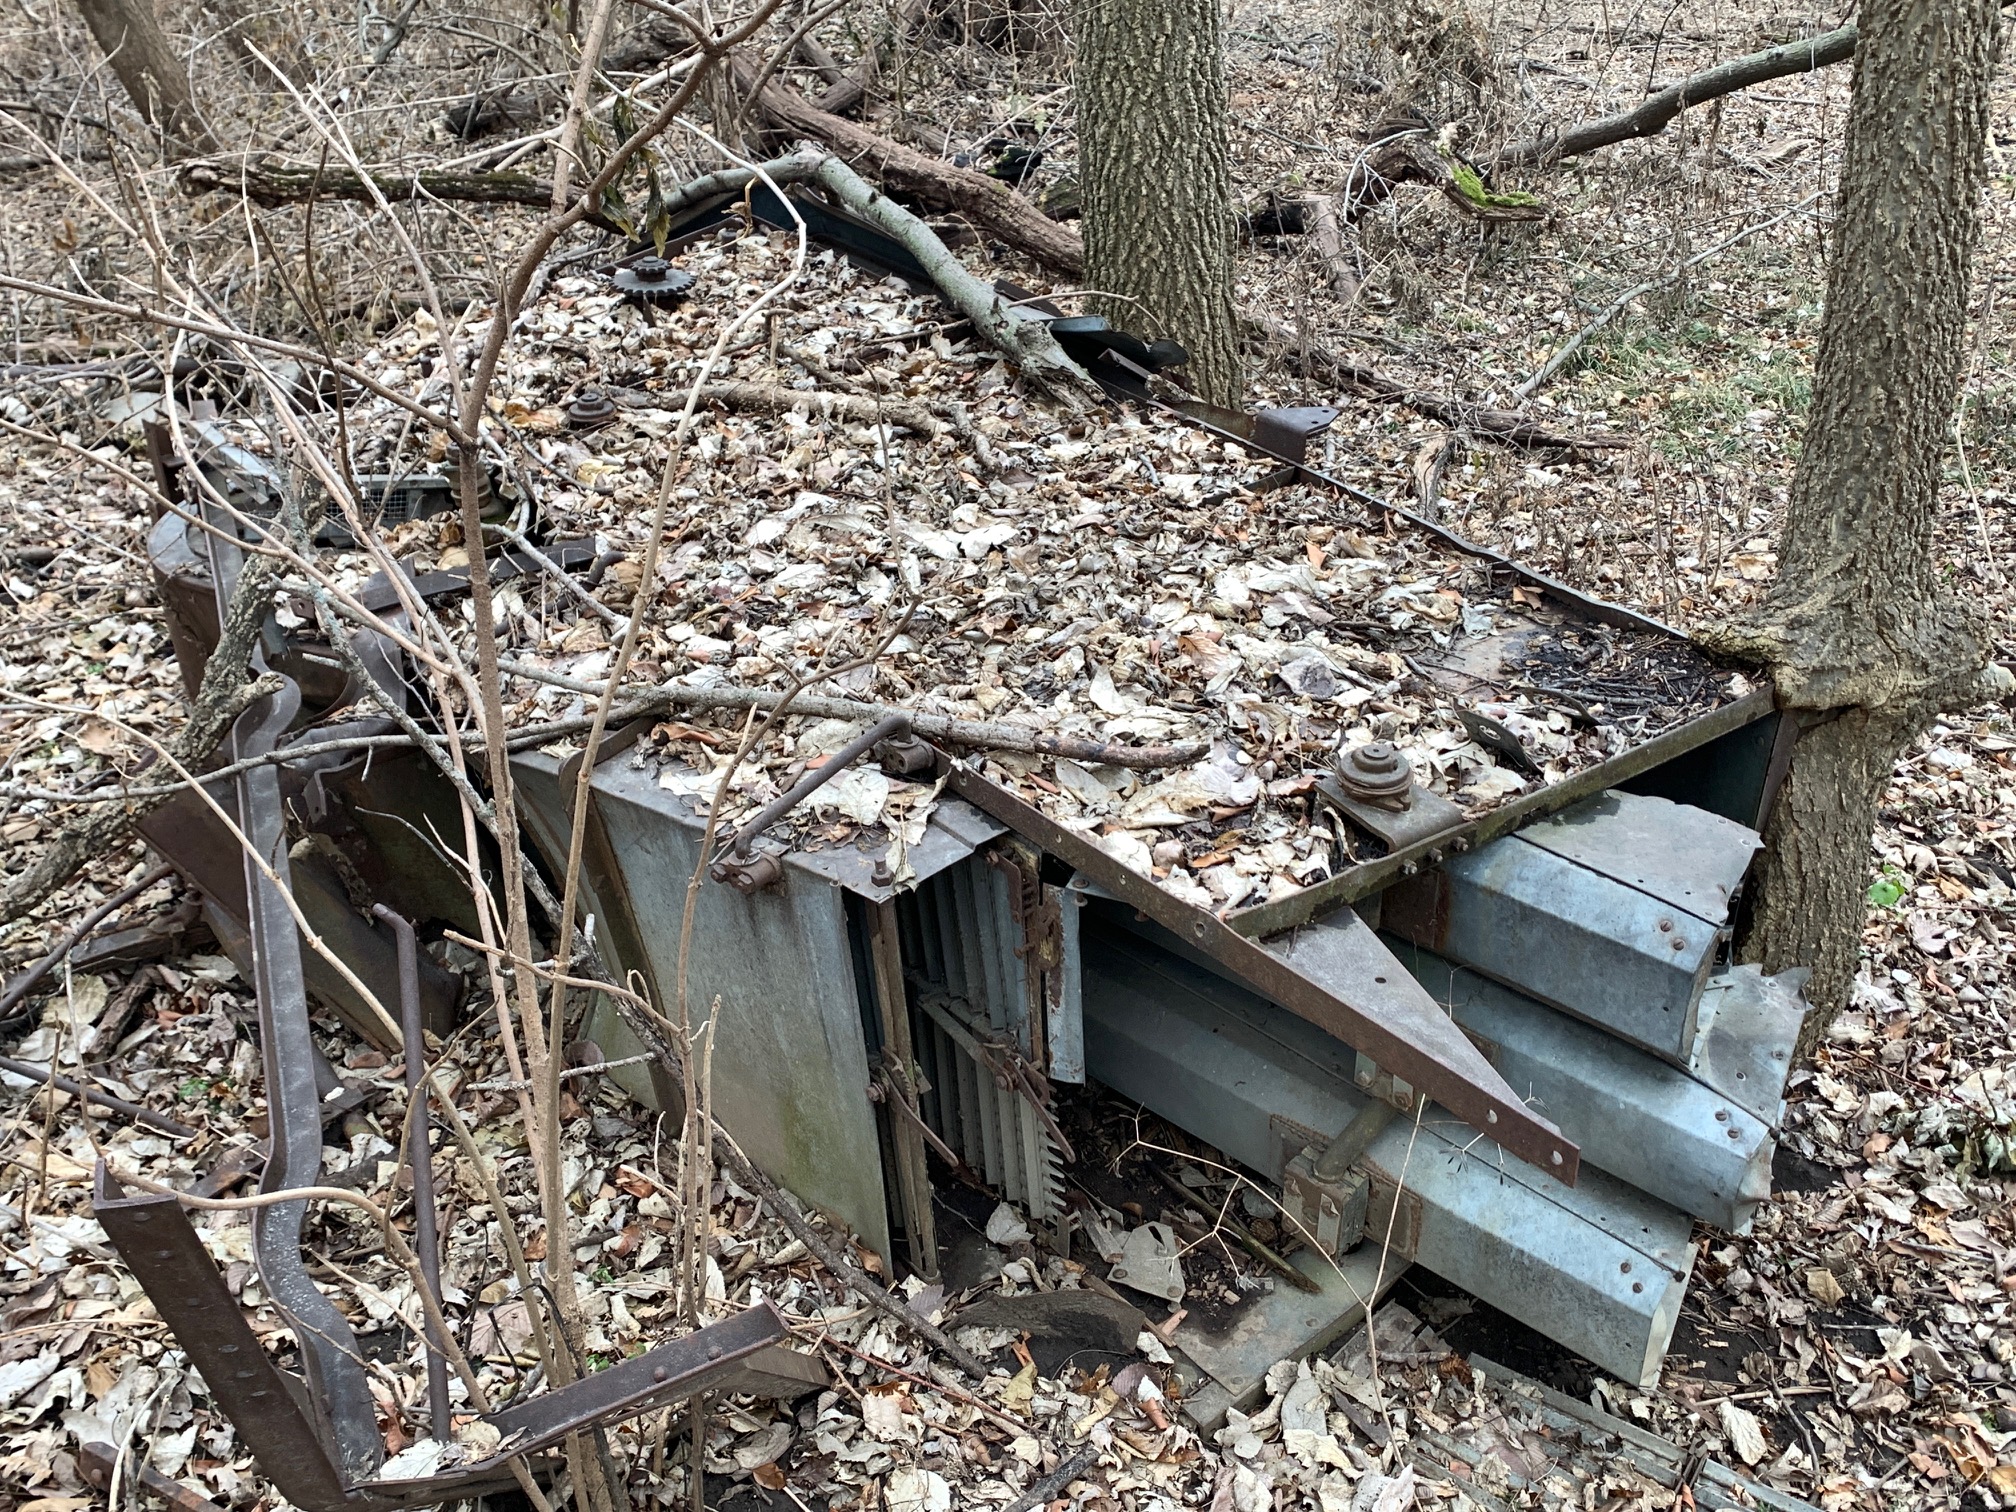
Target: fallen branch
x=848 y=92
x=1026 y=343
x=24 y=984
x=29 y=1071
x=1656 y=111
x=987 y=202
x=1328 y=235
x=1574 y=343
x=270 y=184
x=1484 y=421
x=1409 y=157
x=1052 y=1485
x=989 y=735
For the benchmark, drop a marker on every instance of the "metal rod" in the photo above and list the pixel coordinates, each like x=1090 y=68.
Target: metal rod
x=1349 y=1147
x=133 y=1111
x=24 y=984
x=420 y=1155
x=887 y=728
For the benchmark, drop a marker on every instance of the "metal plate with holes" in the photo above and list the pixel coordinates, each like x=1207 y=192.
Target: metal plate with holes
x=1642 y=1119
x=1426 y=814
x=1567 y=935
x=1749 y=1026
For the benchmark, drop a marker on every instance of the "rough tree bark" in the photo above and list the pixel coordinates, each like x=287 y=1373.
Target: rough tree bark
x=148 y=68
x=1865 y=641
x=1153 y=174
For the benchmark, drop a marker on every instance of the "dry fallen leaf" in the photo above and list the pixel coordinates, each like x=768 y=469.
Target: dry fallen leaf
x=1825 y=1288
x=1746 y=1434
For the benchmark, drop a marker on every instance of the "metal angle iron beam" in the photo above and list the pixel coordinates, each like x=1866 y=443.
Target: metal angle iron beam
x=336 y=1373
x=1418 y=1044
x=278 y=1422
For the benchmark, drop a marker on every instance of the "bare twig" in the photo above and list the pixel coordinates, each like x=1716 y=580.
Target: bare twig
x=1574 y=343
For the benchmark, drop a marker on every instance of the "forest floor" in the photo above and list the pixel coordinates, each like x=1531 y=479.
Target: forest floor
x=1857 y=1349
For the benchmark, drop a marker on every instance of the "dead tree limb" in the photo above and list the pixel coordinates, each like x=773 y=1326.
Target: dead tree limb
x=224 y=694
x=985 y=735
x=847 y=93
x=1328 y=235
x=987 y=202
x=1026 y=343
x=856 y=409
x=1410 y=157
x=270 y=184
x=1657 y=110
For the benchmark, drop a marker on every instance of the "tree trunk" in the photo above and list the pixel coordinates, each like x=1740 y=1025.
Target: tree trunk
x=141 y=55
x=1865 y=642
x=1153 y=173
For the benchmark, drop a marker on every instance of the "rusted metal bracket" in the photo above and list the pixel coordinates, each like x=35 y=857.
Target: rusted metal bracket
x=1422 y=1045
x=287 y=1049
x=285 y=1429
x=1004 y=1063
x=745 y=873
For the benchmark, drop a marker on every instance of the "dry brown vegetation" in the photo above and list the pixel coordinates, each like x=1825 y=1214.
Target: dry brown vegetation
x=1864 y=1329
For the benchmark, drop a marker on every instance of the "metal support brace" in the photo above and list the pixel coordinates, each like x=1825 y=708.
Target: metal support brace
x=275 y=1417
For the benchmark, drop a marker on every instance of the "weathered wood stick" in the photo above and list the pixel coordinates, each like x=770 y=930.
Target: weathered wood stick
x=988 y=735
x=1657 y=110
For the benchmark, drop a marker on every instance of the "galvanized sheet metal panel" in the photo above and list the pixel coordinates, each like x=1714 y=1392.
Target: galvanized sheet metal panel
x=1647 y=1122
x=790 y=1064
x=1600 y=1267
x=1554 y=929
x=1679 y=854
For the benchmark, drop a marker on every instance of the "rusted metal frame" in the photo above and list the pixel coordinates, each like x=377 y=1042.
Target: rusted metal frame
x=885 y=954
x=154 y=1237
x=902 y=1094
x=420 y=1160
x=339 y=1389
x=1041 y=950
x=1008 y=1063
x=273 y=1417
x=1004 y=1064
x=1468 y=1091
x=1368 y=877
